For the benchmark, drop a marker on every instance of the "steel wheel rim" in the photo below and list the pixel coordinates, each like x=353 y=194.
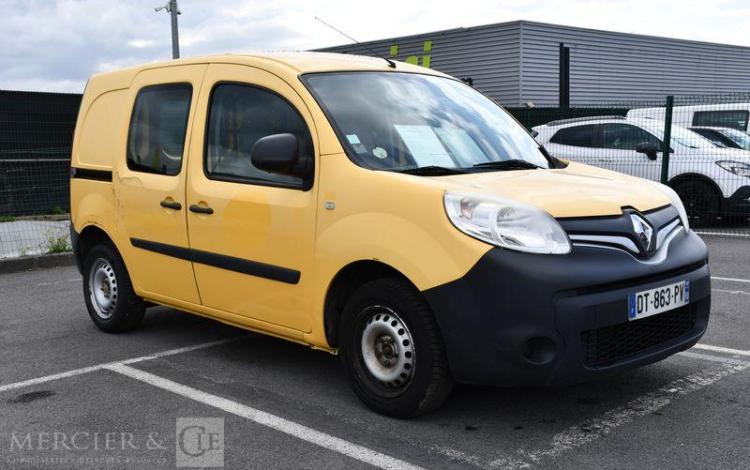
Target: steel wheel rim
x=387 y=347
x=103 y=288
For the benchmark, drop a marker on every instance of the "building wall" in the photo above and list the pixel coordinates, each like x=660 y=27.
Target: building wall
x=517 y=62
x=489 y=55
x=608 y=67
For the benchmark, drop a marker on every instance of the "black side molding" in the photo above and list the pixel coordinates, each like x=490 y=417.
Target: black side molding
x=230 y=263
x=87 y=174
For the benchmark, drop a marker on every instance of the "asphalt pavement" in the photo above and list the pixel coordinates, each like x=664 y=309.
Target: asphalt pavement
x=74 y=397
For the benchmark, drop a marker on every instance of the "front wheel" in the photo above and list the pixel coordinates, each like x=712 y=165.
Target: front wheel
x=112 y=304
x=392 y=350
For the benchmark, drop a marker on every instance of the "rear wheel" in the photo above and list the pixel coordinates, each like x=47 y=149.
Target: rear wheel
x=110 y=299
x=392 y=350
x=702 y=201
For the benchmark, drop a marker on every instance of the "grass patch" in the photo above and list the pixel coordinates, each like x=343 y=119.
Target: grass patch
x=7 y=218
x=59 y=244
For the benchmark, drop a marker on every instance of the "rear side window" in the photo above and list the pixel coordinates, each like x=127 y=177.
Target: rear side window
x=578 y=136
x=736 y=119
x=156 y=139
x=239 y=116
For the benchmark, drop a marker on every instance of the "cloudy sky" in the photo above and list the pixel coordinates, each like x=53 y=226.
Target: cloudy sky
x=54 y=45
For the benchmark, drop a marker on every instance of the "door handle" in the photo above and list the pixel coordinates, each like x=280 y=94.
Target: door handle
x=201 y=209
x=171 y=204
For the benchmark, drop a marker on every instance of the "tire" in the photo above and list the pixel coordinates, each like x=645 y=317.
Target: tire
x=114 y=307
x=702 y=202
x=392 y=350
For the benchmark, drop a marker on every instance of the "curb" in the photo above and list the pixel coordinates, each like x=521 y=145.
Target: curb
x=28 y=263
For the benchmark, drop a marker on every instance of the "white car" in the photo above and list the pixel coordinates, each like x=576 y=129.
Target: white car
x=712 y=181
x=734 y=115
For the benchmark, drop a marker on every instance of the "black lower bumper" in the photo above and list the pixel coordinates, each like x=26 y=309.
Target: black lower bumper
x=523 y=319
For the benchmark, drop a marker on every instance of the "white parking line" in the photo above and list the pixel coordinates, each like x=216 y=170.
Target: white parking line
x=729 y=279
x=63 y=281
x=733 y=292
x=85 y=370
x=713 y=358
x=596 y=428
x=327 y=441
x=721 y=349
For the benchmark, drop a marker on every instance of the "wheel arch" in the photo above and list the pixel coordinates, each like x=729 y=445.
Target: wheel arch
x=684 y=177
x=90 y=236
x=344 y=283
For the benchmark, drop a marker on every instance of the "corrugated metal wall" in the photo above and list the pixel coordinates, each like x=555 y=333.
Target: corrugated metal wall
x=517 y=62
x=489 y=55
x=608 y=67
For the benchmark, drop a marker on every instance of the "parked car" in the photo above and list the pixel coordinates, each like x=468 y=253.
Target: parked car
x=711 y=181
x=382 y=211
x=724 y=136
x=732 y=115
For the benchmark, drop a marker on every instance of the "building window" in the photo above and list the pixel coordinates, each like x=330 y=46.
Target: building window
x=156 y=138
x=239 y=116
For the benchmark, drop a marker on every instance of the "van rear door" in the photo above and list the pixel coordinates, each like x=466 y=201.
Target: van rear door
x=150 y=181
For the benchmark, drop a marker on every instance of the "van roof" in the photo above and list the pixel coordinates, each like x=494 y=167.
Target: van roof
x=286 y=63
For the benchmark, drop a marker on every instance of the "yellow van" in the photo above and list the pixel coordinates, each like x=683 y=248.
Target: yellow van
x=385 y=212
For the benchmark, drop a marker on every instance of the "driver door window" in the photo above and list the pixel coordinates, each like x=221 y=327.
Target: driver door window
x=625 y=137
x=618 y=144
x=239 y=116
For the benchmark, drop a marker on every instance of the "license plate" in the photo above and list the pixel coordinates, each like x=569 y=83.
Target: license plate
x=657 y=300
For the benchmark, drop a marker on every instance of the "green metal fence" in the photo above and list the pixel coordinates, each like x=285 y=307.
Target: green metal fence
x=698 y=145
x=36 y=133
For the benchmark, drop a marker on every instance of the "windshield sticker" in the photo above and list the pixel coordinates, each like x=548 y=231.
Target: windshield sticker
x=380 y=153
x=353 y=139
x=424 y=146
x=462 y=146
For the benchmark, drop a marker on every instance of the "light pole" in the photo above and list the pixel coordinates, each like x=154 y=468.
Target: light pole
x=171 y=7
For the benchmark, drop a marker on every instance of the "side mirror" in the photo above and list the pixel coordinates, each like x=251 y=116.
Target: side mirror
x=649 y=149
x=277 y=153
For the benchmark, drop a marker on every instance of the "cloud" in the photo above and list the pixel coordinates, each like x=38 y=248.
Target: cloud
x=142 y=43
x=55 y=45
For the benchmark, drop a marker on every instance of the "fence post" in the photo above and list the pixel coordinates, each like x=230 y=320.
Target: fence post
x=667 y=139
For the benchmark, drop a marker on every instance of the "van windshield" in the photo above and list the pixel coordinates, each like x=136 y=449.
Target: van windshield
x=405 y=121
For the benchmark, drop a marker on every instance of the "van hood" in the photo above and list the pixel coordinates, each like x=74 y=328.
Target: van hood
x=575 y=191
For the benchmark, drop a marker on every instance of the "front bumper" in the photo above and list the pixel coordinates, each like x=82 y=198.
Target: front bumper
x=524 y=319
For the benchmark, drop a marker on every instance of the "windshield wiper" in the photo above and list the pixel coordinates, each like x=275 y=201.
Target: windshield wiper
x=430 y=170
x=513 y=164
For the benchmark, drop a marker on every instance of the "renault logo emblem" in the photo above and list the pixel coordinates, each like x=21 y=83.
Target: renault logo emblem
x=643 y=231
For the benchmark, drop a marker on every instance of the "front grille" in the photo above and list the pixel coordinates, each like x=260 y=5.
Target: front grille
x=611 y=344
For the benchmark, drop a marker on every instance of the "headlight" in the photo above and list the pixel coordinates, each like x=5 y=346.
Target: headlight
x=738 y=168
x=677 y=203
x=507 y=224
